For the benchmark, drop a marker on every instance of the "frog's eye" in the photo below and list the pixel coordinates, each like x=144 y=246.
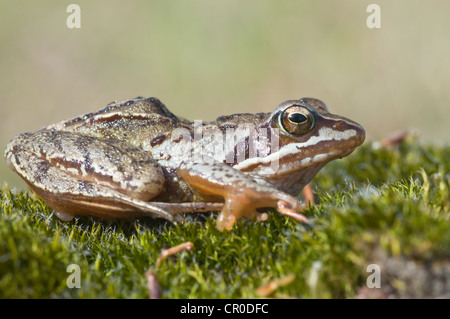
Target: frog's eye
x=296 y=120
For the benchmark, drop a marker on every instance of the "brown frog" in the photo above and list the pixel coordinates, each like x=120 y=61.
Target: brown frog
x=135 y=158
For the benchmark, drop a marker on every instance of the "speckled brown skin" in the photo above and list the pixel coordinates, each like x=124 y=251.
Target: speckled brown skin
x=135 y=158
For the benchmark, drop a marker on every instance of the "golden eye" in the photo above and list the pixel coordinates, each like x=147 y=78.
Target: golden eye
x=296 y=120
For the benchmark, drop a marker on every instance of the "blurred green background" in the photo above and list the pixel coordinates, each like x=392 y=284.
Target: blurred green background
x=206 y=58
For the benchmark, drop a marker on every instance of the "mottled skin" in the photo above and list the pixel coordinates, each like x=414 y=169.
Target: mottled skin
x=135 y=158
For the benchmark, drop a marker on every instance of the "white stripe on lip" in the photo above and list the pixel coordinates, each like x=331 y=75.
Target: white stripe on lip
x=325 y=134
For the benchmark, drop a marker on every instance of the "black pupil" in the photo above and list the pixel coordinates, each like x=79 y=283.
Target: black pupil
x=297 y=118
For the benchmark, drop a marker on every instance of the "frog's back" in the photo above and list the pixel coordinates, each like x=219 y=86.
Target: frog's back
x=137 y=121
x=138 y=105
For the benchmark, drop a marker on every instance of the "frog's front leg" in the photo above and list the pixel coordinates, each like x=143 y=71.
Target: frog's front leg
x=82 y=175
x=242 y=195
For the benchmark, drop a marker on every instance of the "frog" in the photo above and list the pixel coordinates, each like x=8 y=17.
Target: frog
x=135 y=158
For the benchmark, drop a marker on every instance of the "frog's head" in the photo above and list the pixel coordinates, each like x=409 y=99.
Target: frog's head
x=309 y=133
x=308 y=137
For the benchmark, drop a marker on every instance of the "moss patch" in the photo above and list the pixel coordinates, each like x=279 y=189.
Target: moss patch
x=388 y=207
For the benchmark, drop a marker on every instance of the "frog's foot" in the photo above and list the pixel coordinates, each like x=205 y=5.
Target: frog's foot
x=242 y=195
x=234 y=208
x=240 y=206
x=308 y=196
x=283 y=209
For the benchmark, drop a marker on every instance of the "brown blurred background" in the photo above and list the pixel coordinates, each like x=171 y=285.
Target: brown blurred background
x=207 y=58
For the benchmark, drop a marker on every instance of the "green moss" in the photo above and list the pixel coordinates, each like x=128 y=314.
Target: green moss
x=374 y=206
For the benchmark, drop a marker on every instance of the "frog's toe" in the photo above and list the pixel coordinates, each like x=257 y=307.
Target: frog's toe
x=262 y=217
x=283 y=209
x=178 y=218
x=225 y=221
x=64 y=216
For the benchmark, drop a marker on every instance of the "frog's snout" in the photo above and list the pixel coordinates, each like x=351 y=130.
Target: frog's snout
x=358 y=134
